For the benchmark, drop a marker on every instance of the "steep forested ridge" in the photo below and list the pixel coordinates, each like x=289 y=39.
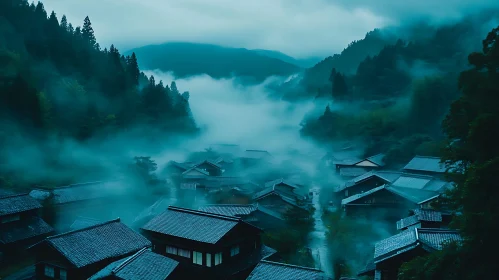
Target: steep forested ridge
x=56 y=81
x=397 y=98
x=473 y=127
x=189 y=59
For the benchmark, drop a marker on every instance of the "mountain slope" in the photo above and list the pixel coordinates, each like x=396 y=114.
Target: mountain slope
x=305 y=62
x=188 y=59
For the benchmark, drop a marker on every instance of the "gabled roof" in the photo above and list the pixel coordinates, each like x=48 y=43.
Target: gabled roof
x=279 y=181
x=89 y=245
x=85 y=191
x=427 y=164
x=17 y=203
x=280 y=271
x=196 y=169
x=376 y=159
x=142 y=265
x=256 y=154
x=234 y=210
x=426 y=215
x=191 y=224
x=413 y=195
x=387 y=176
x=83 y=222
x=181 y=165
x=24 y=229
x=433 y=239
x=210 y=162
x=352 y=171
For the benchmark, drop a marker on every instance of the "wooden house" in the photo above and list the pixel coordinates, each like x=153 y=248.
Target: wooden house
x=366 y=182
x=63 y=205
x=20 y=224
x=281 y=271
x=281 y=196
x=81 y=253
x=424 y=218
x=392 y=252
x=425 y=166
x=142 y=265
x=388 y=202
x=211 y=167
x=352 y=167
x=254 y=214
x=210 y=246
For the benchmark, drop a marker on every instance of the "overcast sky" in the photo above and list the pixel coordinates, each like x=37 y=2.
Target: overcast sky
x=300 y=28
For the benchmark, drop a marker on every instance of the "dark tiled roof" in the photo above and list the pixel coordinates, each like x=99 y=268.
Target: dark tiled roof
x=191 y=224
x=410 y=239
x=279 y=271
x=407 y=222
x=280 y=181
x=17 y=203
x=85 y=191
x=229 y=209
x=96 y=243
x=352 y=171
x=414 y=195
x=4 y=193
x=428 y=164
x=377 y=159
x=83 y=222
x=24 y=229
x=428 y=215
x=387 y=176
x=210 y=162
x=269 y=212
x=361 y=195
x=142 y=265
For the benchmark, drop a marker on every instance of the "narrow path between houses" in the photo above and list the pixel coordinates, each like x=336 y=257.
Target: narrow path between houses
x=317 y=238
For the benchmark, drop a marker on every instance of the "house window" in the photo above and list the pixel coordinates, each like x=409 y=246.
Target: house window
x=171 y=250
x=208 y=259
x=218 y=258
x=184 y=253
x=234 y=250
x=197 y=258
x=49 y=271
x=11 y=218
x=63 y=275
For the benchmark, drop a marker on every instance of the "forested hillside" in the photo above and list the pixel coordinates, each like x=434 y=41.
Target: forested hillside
x=56 y=81
x=189 y=59
x=396 y=99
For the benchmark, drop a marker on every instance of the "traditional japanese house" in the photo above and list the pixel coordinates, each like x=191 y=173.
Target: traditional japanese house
x=254 y=214
x=392 y=252
x=388 y=202
x=175 y=169
x=366 y=182
x=425 y=166
x=209 y=245
x=355 y=166
x=281 y=271
x=142 y=265
x=424 y=218
x=81 y=253
x=280 y=196
x=63 y=205
x=20 y=224
x=211 y=167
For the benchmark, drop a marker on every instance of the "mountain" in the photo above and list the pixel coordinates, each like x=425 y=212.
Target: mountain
x=188 y=59
x=304 y=62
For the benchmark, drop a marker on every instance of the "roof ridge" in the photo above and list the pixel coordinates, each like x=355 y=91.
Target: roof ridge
x=426 y=157
x=83 y=229
x=201 y=213
x=228 y=204
x=437 y=230
x=291 y=265
x=129 y=260
x=14 y=195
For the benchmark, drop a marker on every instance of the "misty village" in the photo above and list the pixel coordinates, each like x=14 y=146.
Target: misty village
x=264 y=139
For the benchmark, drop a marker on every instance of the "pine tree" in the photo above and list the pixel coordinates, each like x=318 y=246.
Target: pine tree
x=71 y=29
x=64 y=23
x=173 y=88
x=133 y=68
x=340 y=88
x=88 y=33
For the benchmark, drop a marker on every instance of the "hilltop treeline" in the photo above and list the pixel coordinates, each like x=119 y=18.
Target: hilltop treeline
x=55 y=80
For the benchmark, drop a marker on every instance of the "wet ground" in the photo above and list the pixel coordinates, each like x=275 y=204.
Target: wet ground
x=317 y=238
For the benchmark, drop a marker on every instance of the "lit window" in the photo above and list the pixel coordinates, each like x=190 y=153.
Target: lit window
x=171 y=250
x=184 y=253
x=208 y=259
x=197 y=258
x=218 y=258
x=234 y=250
x=49 y=271
x=63 y=275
